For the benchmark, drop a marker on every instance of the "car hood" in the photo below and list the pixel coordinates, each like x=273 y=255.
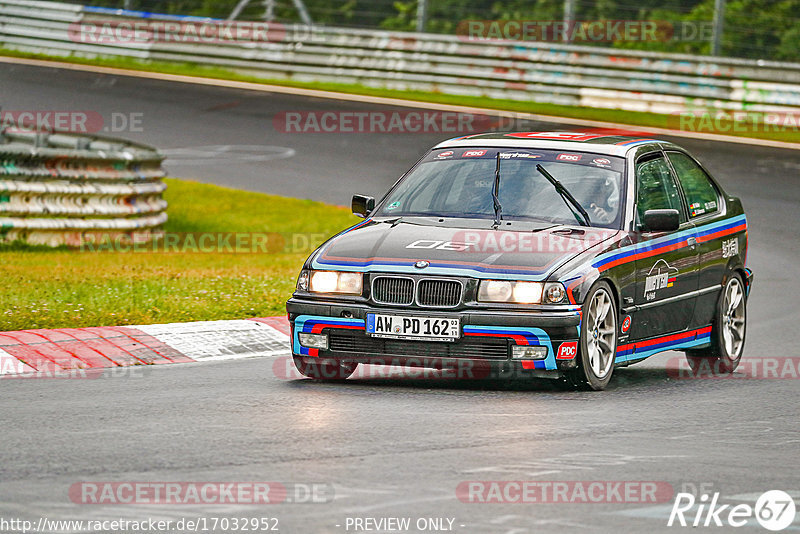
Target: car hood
x=457 y=249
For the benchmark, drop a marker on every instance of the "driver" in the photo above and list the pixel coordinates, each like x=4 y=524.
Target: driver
x=603 y=209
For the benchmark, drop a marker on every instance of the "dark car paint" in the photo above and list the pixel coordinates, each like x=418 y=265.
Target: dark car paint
x=699 y=267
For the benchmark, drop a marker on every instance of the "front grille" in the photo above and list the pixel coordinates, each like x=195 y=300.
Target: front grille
x=428 y=292
x=360 y=343
x=441 y=293
x=393 y=290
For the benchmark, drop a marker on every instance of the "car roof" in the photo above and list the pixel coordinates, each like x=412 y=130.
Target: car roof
x=598 y=143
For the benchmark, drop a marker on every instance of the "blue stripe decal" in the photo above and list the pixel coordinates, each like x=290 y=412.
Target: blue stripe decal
x=665 y=241
x=406 y=266
x=632 y=143
x=306 y=323
x=534 y=336
x=675 y=344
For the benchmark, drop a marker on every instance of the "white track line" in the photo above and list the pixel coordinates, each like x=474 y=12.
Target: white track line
x=333 y=95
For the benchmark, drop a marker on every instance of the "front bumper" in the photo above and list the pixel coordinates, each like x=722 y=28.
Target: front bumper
x=487 y=336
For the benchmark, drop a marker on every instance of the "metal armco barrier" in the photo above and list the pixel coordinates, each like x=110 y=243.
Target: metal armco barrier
x=65 y=189
x=541 y=72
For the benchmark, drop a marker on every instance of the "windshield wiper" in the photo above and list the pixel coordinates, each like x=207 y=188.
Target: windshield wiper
x=566 y=195
x=498 y=209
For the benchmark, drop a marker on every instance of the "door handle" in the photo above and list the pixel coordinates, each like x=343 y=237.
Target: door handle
x=692 y=242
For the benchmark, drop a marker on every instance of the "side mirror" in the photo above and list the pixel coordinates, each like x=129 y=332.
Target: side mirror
x=661 y=220
x=363 y=205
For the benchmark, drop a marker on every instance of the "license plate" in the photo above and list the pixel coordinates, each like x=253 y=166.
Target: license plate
x=413 y=327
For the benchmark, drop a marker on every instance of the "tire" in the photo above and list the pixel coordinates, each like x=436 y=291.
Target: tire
x=325 y=369
x=728 y=333
x=598 y=342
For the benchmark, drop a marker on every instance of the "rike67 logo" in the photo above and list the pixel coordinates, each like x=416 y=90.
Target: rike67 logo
x=774 y=510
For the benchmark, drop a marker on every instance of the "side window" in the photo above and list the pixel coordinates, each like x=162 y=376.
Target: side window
x=655 y=187
x=701 y=195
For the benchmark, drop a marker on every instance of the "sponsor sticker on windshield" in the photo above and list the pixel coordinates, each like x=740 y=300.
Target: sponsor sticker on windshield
x=569 y=157
x=602 y=162
x=519 y=155
x=474 y=153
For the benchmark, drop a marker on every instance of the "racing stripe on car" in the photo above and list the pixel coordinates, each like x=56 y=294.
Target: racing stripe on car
x=393 y=265
x=643 y=349
x=523 y=336
x=668 y=243
x=635 y=142
x=312 y=325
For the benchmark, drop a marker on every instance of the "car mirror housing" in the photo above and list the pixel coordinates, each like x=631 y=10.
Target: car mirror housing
x=362 y=205
x=661 y=220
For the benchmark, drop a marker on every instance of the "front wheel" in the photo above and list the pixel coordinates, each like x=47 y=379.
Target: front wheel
x=324 y=369
x=727 y=333
x=598 y=343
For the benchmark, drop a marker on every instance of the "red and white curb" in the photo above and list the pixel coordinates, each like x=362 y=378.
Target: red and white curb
x=72 y=349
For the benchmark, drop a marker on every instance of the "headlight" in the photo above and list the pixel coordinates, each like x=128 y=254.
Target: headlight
x=515 y=292
x=331 y=282
x=554 y=293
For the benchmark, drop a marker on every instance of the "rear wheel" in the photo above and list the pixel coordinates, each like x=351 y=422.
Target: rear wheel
x=727 y=333
x=324 y=369
x=598 y=343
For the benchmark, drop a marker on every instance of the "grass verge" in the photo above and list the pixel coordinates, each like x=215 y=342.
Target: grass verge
x=45 y=288
x=786 y=133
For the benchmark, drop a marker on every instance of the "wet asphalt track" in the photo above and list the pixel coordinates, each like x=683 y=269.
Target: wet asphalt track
x=396 y=448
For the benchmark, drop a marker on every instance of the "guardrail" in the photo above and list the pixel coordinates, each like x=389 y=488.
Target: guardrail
x=58 y=189
x=540 y=72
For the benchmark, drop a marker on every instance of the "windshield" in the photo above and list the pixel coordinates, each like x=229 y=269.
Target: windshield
x=458 y=183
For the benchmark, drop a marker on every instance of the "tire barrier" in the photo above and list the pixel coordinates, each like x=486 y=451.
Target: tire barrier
x=542 y=72
x=65 y=189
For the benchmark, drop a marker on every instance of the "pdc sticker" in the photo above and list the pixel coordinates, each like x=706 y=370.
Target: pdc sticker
x=569 y=157
x=473 y=153
x=567 y=350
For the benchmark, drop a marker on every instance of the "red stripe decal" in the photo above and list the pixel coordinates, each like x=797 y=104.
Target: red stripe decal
x=521 y=340
x=683 y=336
